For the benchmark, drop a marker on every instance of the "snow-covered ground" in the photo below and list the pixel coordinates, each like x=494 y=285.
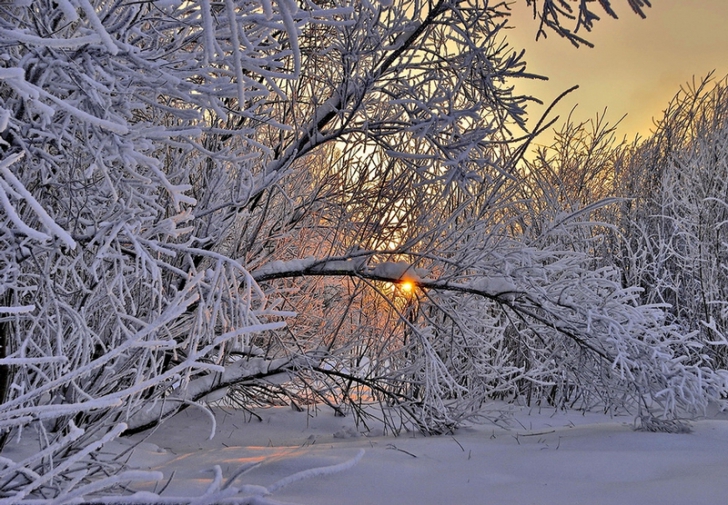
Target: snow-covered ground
x=543 y=458
x=526 y=457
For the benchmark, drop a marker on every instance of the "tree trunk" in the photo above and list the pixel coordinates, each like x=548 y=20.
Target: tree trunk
x=5 y=370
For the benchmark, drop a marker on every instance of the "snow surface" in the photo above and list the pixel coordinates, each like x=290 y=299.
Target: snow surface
x=540 y=458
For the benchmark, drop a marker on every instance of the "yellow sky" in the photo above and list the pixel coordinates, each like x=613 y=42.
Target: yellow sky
x=637 y=64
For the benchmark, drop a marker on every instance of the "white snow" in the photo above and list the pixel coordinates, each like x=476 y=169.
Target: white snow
x=279 y=267
x=59 y=43
x=397 y=270
x=494 y=284
x=542 y=458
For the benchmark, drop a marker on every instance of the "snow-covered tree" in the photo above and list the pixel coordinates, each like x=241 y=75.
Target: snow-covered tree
x=203 y=197
x=674 y=219
x=129 y=132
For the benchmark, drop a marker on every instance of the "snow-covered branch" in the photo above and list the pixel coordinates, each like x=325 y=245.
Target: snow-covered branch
x=293 y=203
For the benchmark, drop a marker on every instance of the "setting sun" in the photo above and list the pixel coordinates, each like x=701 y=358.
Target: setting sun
x=407 y=286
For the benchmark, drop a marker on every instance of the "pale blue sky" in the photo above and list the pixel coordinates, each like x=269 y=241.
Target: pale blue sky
x=637 y=64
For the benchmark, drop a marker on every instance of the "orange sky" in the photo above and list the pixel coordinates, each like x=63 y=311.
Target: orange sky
x=637 y=64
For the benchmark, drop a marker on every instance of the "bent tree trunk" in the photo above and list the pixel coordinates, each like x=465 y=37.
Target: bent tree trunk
x=5 y=369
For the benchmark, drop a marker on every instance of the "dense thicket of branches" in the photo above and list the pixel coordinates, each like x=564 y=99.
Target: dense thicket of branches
x=665 y=223
x=675 y=221
x=203 y=199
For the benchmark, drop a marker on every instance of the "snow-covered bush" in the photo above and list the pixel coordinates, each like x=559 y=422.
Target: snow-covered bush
x=656 y=229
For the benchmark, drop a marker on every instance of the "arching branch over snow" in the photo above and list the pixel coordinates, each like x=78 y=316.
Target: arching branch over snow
x=201 y=196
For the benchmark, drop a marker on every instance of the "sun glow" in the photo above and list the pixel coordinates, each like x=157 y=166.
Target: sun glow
x=407 y=287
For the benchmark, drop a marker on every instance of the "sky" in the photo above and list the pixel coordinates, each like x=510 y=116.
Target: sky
x=636 y=66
